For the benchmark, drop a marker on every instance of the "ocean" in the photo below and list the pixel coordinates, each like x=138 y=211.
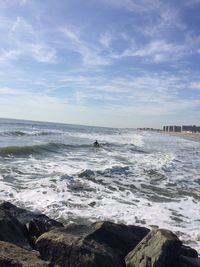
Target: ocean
x=134 y=177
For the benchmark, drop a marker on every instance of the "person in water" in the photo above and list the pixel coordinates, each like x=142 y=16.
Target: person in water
x=96 y=143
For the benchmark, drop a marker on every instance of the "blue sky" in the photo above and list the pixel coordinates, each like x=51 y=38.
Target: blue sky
x=127 y=63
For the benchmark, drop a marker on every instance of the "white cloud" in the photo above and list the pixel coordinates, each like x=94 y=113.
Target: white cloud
x=195 y=85
x=161 y=19
x=148 y=32
x=24 y=41
x=156 y=50
x=9 y=91
x=120 y=98
x=9 y=55
x=90 y=53
x=134 y=6
x=106 y=39
x=162 y=14
x=24 y=2
x=22 y=29
x=158 y=91
x=159 y=50
x=191 y=2
x=42 y=53
x=161 y=109
x=46 y=108
x=22 y=35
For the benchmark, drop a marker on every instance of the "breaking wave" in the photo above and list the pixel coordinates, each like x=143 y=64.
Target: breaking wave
x=36 y=149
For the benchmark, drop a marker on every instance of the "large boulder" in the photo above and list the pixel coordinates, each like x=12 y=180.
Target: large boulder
x=103 y=244
x=188 y=251
x=120 y=237
x=160 y=248
x=189 y=262
x=14 y=256
x=34 y=224
x=11 y=230
x=70 y=251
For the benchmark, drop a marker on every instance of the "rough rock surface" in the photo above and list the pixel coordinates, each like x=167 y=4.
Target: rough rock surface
x=160 y=248
x=189 y=262
x=188 y=252
x=14 y=256
x=121 y=238
x=11 y=230
x=103 y=244
x=35 y=224
x=24 y=216
x=68 y=251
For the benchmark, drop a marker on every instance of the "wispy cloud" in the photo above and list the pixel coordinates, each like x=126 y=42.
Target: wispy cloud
x=24 y=2
x=106 y=39
x=162 y=94
x=158 y=51
x=24 y=41
x=90 y=53
x=42 y=53
x=9 y=55
x=151 y=37
x=10 y=91
x=158 y=91
x=126 y=58
x=191 y=2
x=134 y=6
x=159 y=14
x=195 y=85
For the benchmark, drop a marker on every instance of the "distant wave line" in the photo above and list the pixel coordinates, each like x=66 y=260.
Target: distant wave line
x=21 y=133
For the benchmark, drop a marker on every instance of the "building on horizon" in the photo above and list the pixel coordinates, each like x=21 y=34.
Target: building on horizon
x=183 y=128
x=191 y=128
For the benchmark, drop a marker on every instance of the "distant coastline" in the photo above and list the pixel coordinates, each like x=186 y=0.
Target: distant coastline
x=187 y=135
x=183 y=135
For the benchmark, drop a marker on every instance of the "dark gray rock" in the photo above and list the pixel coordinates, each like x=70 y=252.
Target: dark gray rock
x=189 y=262
x=25 y=216
x=188 y=252
x=103 y=244
x=120 y=237
x=35 y=224
x=66 y=250
x=160 y=248
x=11 y=230
x=14 y=256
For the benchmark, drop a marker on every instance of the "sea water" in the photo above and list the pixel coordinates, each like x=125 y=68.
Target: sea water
x=134 y=177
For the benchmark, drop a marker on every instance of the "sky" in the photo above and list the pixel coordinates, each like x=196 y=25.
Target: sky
x=127 y=63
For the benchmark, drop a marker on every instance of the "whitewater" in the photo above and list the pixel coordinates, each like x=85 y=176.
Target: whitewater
x=134 y=177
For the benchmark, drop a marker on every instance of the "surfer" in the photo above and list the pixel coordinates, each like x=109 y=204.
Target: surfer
x=96 y=144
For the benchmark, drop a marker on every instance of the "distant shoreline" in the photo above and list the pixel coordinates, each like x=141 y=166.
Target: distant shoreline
x=179 y=134
x=183 y=135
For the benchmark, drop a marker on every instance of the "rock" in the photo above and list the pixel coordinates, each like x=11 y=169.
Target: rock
x=11 y=230
x=188 y=251
x=160 y=248
x=189 y=262
x=102 y=244
x=120 y=237
x=70 y=251
x=86 y=173
x=36 y=224
x=14 y=256
x=25 y=216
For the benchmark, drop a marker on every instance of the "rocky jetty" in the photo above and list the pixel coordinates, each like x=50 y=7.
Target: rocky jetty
x=28 y=239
